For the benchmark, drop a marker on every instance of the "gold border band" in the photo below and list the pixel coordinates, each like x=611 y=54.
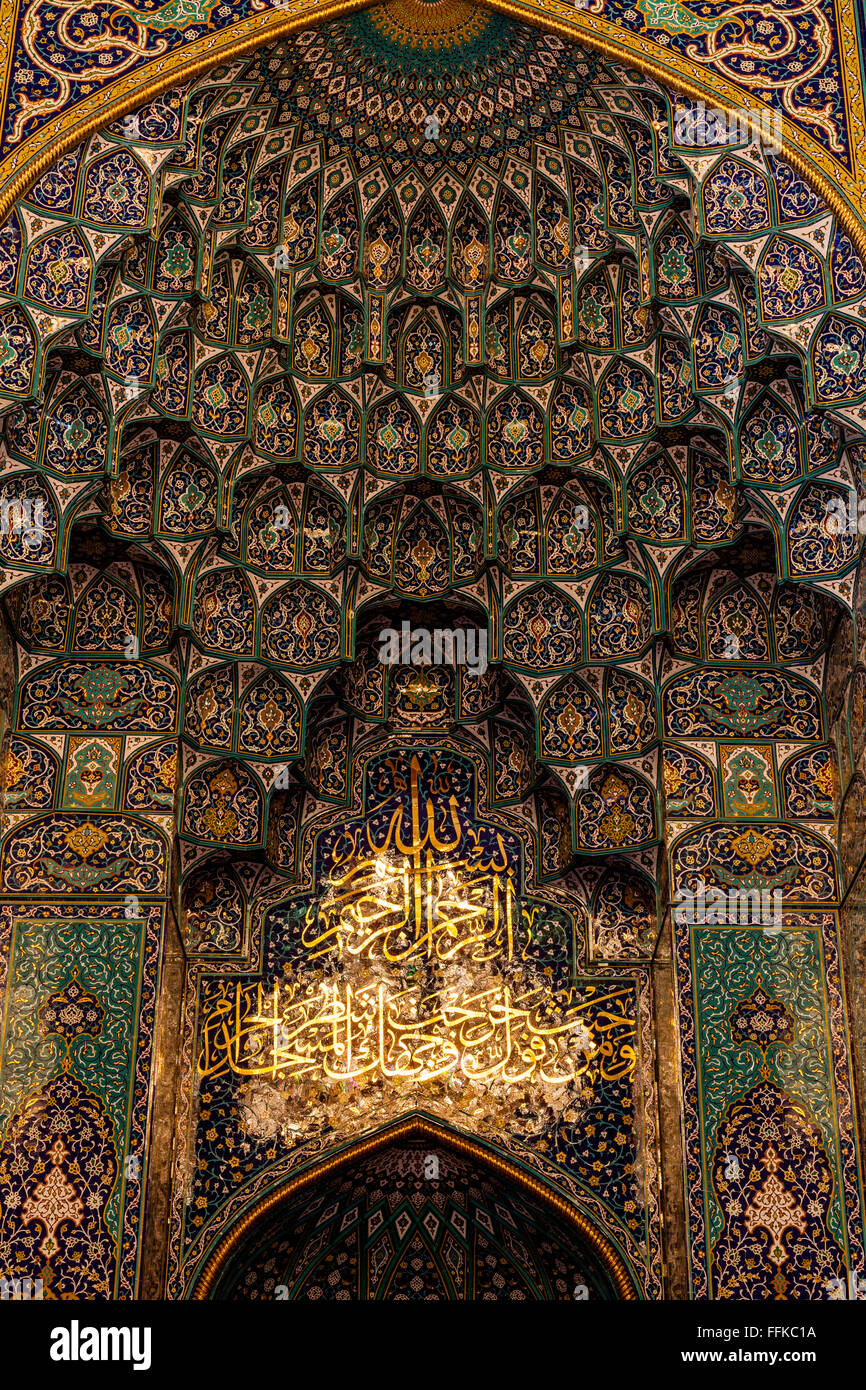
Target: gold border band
x=843 y=193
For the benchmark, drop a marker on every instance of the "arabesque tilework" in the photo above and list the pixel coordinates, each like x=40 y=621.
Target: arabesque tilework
x=424 y=320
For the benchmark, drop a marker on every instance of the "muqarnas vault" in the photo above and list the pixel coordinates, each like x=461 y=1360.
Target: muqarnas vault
x=330 y=977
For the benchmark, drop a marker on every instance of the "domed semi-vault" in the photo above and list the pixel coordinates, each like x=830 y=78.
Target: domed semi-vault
x=434 y=701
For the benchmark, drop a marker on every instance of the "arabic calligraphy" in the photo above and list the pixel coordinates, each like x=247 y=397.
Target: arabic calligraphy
x=342 y=1031
x=416 y=965
x=391 y=895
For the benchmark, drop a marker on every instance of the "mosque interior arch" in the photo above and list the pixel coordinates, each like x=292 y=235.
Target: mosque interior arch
x=425 y=319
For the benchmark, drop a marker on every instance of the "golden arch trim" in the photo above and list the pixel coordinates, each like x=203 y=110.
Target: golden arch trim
x=415 y=1125
x=20 y=170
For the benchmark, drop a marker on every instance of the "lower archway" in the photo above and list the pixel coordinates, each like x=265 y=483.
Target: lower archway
x=415 y=1215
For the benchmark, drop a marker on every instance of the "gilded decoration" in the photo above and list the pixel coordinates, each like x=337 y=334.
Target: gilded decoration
x=432 y=716
x=727 y=55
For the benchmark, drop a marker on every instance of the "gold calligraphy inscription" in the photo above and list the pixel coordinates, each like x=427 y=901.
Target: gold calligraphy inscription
x=411 y=898
x=435 y=894
x=330 y=1028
